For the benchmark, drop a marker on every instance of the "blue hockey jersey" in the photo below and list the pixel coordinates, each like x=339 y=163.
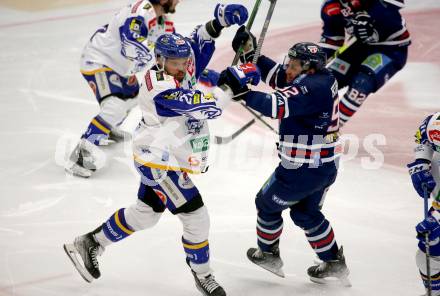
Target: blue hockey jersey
x=386 y=16
x=307 y=110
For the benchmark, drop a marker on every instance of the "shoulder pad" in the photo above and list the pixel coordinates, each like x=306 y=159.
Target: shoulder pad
x=158 y=81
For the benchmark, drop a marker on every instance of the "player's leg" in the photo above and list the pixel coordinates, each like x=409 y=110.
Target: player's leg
x=115 y=95
x=182 y=198
x=196 y=246
x=374 y=71
x=307 y=214
x=145 y=213
x=434 y=268
x=271 y=200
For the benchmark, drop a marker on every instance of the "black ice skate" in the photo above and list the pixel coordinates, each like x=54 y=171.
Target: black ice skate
x=88 y=250
x=208 y=286
x=271 y=261
x=329 y=271
x=82 y=162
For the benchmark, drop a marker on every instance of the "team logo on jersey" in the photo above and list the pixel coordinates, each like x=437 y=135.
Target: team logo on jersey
x=194 y=126
x=161 y=195
x=136 y=30
x=185 y=182
x=200 y=144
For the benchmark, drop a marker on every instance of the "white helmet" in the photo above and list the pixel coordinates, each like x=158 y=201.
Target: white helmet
x=433 y=130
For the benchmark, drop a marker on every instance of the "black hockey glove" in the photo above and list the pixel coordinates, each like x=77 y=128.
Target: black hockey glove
x=363 y=28
x=246 y=39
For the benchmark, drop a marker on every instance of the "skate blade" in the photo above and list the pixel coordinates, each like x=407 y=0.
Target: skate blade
x=71 y=252
x=344 y=281
x=77 y=171
x=276 y=270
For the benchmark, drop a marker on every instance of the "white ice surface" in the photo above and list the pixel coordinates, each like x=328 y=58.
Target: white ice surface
x=45 y=105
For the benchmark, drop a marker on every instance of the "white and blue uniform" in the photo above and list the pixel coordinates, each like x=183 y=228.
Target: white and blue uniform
x=172 y=141
x=426 y=170
x=112 y=56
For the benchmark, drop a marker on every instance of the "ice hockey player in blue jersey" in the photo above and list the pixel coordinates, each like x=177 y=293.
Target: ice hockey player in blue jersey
x=305 y=102
x=380 y=51
x=171 y=142
x=424 y=173
x=112 y=57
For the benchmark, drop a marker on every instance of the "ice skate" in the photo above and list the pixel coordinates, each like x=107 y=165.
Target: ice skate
x=208 y=286
x=330 y=271
x=271 y=261
x=82 y=161
x=88 y=250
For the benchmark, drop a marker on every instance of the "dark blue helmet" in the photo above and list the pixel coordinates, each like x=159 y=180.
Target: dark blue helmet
x=310 y=55
x=154 y=1
x=172 y=46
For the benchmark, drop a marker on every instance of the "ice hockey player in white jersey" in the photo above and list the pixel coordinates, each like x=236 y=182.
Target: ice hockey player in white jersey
x=424 y=173
x=171 y=142
x=108 y=62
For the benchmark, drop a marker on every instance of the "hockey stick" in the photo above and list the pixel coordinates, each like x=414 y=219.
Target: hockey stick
x=227 y=139
x=427 y=253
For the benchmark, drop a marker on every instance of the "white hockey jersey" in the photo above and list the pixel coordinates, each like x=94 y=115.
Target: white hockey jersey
x=126 y=44
x=428 y=140
x=173 y=133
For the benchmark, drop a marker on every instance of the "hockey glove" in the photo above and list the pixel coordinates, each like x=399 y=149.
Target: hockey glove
x=230 y=14
x=431 y=226
x=209 y=78
x=246 y=39
x=420 y=172
x=237 y=78
x=362 y=27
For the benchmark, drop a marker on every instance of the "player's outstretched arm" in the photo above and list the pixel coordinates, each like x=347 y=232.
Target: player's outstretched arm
x=202 y=39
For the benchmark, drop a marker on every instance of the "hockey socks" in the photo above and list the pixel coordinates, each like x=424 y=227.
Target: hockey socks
x=322 y=240
x=98 y=131
x=116 y=227
x=197 y=255
x=268 y=233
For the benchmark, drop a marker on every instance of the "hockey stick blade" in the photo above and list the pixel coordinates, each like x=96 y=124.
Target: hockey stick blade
x=71 y=253
x=225 y=140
